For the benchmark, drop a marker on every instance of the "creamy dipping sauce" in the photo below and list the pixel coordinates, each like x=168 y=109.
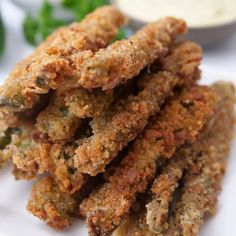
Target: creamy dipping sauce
x=197 y=13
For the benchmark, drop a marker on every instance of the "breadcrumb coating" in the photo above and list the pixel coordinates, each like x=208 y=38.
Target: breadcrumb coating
x=205 y=163
x=163 y=190
x=124 y=59
x=51 y=205
x=60 y=121
x=14 y=143
x=56 y=122
x=127 y=118
x=56 y=61
x=180 y=122
x=134 y=224
x=88 y=103
x=203 y=179
x=26 y=154
x=62 y=168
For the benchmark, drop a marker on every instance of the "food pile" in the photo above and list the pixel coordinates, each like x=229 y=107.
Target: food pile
x=121 y=131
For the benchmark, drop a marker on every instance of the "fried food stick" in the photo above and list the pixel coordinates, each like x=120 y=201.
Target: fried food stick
x=13 y=143
x=56 y=122
x=163 y=190
x=59 y=162
x=202 y=182
x=61 y=119
x=165 y=184
x=124 y=59
x=17 y=146
x=134 y=224
x=62 y=168
x=51 y=205
x=56 y=61
x=126 y=119
x=178 y=123
x=30 y=159
x=24 y=152
x=211 y=150
x=88 y=103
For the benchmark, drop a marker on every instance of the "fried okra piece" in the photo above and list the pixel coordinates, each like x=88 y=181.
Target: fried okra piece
x=127 y=118
x=57 y=61
x=134 y=224
x=163 y=190
x=25 y=153
x=51 y=205
x=88 y=103
x=17 y=146
x=202 y=181
x=56 y=122
x=59 y=162
x=33 y=158
x=62 y=168
x=205 y=166
x=179 y=123
x=5 y=141
x=124 y=59
x=61 y=119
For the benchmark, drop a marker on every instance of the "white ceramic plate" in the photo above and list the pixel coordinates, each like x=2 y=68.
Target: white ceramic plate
x=14 y=219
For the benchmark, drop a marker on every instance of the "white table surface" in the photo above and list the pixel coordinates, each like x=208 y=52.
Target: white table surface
x=218 y=63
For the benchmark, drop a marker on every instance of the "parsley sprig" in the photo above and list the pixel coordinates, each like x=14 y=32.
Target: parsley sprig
x=36 y=29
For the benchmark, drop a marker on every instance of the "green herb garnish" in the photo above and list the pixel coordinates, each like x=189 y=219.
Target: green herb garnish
x=37 y=29
x=80 y=8
x=30 y=28
x=120 y=35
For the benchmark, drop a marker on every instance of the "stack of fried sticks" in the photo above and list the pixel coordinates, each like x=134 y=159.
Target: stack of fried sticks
x=124 y=135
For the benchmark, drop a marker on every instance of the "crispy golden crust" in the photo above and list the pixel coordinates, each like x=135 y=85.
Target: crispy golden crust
x=51 y=205
x=167 y=182
x=56 y=122
x=61 y=119
x=31 y=159
x=88 y=103
x=124 y=59
x=62 y=167
x=177 y=124
x=134 y=224
x=20 y=174
x=202 y=182
x=126 y=119
x=26 y=154
x=56 y=61
x=163 y=190
x=56 y=159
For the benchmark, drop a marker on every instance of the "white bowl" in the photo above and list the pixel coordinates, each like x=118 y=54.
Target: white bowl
x=207 y=36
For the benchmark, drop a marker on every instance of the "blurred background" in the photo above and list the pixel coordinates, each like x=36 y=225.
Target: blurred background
x=25 y=23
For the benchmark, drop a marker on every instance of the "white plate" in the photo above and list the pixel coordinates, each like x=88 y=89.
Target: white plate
x=15 y=221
